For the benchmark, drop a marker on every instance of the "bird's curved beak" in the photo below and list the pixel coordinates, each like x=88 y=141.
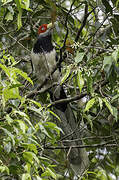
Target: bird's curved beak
x=50 y=26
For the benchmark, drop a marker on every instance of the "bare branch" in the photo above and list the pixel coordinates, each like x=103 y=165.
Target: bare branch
x=66 y=24
x=67 y=100
x=88 y=138
x=83 y=22
x=86 y=14
x=15 y=40
x=85 y=146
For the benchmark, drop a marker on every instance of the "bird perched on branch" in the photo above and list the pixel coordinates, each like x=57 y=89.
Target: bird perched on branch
x=44 y=57
x=44 y=60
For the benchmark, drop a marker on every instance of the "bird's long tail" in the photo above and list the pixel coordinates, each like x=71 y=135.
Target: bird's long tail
x=77 y=157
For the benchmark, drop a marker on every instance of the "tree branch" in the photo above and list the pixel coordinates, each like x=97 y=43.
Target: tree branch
x=86 y=14
x=66 y=24
x=77 y=97
x=15 y=40
x=87 y=138
x=67 y=31
x=67 y=100
x=84 y=146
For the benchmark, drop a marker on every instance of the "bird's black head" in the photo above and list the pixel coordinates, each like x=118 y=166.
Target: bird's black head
x=44 y=41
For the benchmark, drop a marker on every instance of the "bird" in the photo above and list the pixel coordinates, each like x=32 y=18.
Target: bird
x=44 y=59
x=44 y=56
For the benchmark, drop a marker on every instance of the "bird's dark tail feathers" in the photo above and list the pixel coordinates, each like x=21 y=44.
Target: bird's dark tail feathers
x=77 y=157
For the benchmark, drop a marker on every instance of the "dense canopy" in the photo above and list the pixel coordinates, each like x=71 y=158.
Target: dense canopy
x=86 y=37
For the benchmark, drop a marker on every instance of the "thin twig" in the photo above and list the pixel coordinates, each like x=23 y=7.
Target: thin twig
x=86 y=14
x=66 y=24
x=66 y=36
x=16 y=41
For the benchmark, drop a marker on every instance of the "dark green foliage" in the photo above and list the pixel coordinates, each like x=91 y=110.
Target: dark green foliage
x=90 y=75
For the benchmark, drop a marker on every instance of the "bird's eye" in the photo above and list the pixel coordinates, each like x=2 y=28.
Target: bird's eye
x=43 y=28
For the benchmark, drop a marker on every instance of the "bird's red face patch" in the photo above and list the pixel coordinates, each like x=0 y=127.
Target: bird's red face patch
x=42 y=28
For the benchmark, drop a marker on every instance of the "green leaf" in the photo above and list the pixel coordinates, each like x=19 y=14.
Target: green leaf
x=55 y=115
x=117 y=170
x=18 y=3
x=49 y=172
x=26 y=176
x=89 y=120
x=29 y=156
x=53 y=126
x=117 y=2
x=30 y=147
x=26 y=117
x=115 y=97
x=9 y=119
x=31 y=140
x=15 y=86
x=80 y=80
x=35 y=158
x=5 y=2
x=22 y=125
x=115 y=113
x=9 y=134
x=37 y=110
x=5 y=69
x=107 y=60
x=27 y=167
x=4 y=169
x=89 y=84
x=7 y=147
x=100 y=102
x=43 y=130
x=79 y=56
x=36 y=103
x=66 y=75
x=108 y=105
x=12 y=93
x=19 y=22
x=23 y=6
x=38 y=178
x=21 y=114
x=89 y=104
x=27 y=3
x=107 y=63
x=9 y=16
x=23 y=74
x=44 y=158
x=115 y=55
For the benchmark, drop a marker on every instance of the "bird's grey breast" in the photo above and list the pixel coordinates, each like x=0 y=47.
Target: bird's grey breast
x=44 y=64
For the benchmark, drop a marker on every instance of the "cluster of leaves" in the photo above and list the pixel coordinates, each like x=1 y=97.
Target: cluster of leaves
x=23 y=136
x=10 y=10
x=90 y=70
